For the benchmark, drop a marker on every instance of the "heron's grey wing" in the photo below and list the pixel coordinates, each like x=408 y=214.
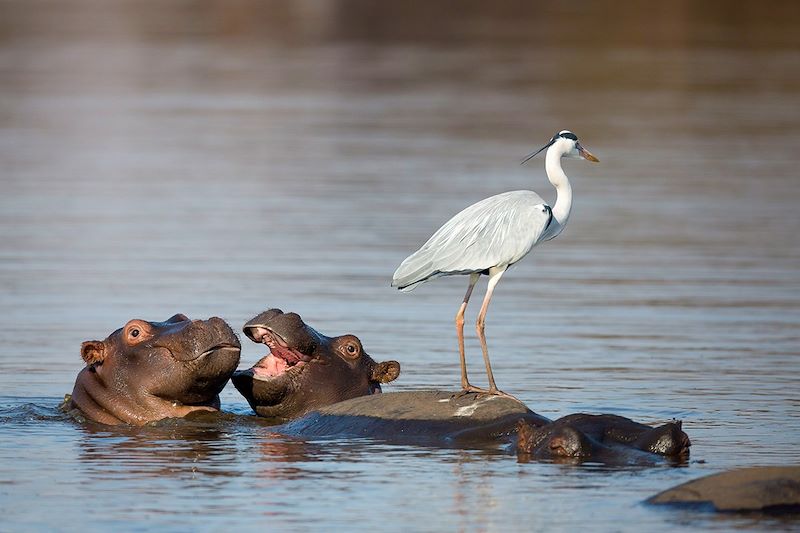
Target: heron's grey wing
x=496 y=231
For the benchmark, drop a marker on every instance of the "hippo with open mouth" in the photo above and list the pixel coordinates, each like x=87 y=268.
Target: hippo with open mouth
x=147 y=371
x=305 y=370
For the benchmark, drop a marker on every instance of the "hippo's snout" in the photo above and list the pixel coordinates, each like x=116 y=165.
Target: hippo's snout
x=191 y=340
x=260 y=321
x=225 y=332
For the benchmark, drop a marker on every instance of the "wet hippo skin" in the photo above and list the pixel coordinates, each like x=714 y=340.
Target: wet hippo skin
x=304 y=369
x=765 y=488
x=147 y=371
x=601 y=438
x=437 y=418
x=479 y=420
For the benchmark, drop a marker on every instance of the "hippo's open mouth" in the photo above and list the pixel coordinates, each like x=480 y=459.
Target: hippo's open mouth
x=281 y=359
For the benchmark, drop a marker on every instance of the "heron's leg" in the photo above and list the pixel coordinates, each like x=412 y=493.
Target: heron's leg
x=495 y=273
x=473 y=279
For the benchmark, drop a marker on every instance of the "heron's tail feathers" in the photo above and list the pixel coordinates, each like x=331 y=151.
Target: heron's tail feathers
x=411 y=287
x=415 y=269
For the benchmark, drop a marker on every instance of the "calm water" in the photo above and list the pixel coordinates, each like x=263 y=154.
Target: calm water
x=217 y=158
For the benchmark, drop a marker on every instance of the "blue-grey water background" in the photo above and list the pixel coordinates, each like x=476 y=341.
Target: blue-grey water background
x=220 y=158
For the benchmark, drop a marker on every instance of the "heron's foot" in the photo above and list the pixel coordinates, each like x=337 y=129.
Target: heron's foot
x=494 y=391
x=469 y=389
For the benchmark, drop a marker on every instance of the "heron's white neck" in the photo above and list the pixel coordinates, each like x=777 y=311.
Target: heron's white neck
x=560 y=181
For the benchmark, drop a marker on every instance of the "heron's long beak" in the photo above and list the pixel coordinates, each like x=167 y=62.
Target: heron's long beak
x=534 y=154
x=586 y=154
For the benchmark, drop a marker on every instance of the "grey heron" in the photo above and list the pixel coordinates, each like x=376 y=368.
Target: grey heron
x=490 y=236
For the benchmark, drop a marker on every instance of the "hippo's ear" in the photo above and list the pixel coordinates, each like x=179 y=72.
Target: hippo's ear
x=93 y=352
x=525 y=439
x=385 y=372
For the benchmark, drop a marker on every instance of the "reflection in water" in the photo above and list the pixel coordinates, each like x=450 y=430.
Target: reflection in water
x=220 y=158
x=174 y=448
x=199 y=446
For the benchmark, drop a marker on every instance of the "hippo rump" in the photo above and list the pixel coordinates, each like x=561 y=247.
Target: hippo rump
x=305 y=370
x=148 y=371
x=603 y=438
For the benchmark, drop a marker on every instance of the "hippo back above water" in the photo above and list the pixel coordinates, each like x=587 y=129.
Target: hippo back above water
x=147 y=371
x=430 y=418
x=305 y=370
x=476 y=420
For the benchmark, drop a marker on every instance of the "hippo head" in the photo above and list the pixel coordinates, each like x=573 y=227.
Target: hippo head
x=610 y=439
x=304 y=369
x=552 y=441
x=147 y=371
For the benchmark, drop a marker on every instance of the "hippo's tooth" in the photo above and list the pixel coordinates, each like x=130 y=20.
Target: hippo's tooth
x=258 y=333
x=271 y=339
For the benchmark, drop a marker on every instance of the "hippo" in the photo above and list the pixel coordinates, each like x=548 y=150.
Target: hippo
x=305 y=370
x=480 y=421
x=601 y=438
x=148 y=371
x=767 y=489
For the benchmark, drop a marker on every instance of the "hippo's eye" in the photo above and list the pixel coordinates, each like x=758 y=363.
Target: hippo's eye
x=351 y=350
x=135 y=332
x=349 y=347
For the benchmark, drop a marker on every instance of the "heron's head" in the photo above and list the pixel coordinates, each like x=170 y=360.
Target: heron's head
x=566 y=144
